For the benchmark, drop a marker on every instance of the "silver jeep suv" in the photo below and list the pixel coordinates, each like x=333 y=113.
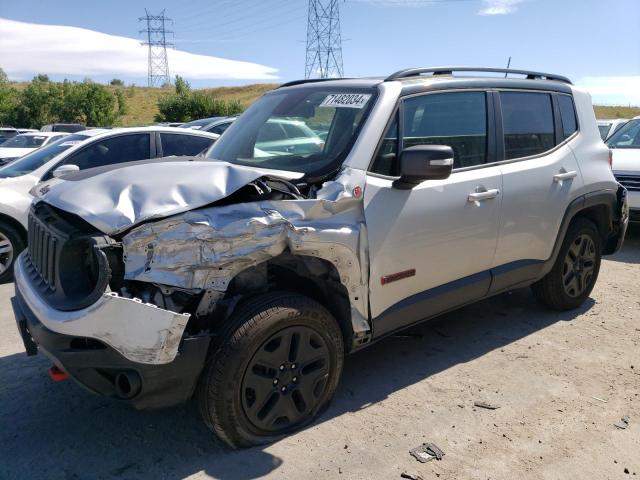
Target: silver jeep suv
x=243 y=278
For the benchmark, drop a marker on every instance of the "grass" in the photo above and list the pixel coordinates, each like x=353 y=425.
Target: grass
x=606 y=112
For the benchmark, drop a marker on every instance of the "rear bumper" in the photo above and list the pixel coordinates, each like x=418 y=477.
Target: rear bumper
x=100 y=368
x=620 y=222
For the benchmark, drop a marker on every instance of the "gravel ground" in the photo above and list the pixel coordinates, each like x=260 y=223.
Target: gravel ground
x=561 y=381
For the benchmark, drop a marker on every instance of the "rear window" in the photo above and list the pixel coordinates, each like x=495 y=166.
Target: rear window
x=528 y=123
x=568 y=115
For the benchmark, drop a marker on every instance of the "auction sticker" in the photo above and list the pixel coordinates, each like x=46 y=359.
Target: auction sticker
x=346 y=100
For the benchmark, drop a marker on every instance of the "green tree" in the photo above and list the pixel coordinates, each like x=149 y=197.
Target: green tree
x=8 y=100
x=116 y=82
x=185 y=105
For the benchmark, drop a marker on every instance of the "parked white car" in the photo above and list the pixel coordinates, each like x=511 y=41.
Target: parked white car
x=609 y=127
x=24 y=143
x=78 y=151
x=625 y=148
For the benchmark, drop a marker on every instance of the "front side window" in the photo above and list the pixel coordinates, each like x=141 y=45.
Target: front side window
x=527 y=120
x=386 y=161
x=124 y=148
x=32 y=161
x=325 y=122
x=175 y=144
x=627 y=137
x=457 y=119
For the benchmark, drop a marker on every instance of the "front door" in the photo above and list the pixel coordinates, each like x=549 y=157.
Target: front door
x=431 y=248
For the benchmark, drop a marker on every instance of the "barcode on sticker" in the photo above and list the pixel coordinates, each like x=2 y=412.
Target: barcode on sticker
x=346 y=100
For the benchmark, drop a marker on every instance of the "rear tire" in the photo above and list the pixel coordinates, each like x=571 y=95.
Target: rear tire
x=575 y=271
x=275 y=368
x=11 y=244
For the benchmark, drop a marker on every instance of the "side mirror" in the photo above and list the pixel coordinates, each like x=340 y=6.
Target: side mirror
x=65 y=169
x=424 y=162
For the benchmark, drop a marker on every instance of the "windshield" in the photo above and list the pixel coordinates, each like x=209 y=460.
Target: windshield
x=34 y=160
x=627 y=137
x=308 y=130
x=24 y=141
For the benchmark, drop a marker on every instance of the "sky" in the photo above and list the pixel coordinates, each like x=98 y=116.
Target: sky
x=234 y=42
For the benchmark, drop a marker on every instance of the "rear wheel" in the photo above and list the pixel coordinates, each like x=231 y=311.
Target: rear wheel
x=276 y=367
x=11 y=244
x=575 y=272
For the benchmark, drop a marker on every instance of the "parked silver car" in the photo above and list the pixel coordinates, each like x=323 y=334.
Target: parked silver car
x=245 y=278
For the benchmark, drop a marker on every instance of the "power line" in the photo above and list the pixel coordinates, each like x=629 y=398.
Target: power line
x=158 y=68
x=324 y=43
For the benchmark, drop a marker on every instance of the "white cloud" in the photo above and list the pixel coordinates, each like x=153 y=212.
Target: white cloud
x=499 y=7
x=620 y=90
x=29 y=48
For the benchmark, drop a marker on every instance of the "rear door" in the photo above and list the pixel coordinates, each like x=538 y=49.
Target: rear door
x=540 y=178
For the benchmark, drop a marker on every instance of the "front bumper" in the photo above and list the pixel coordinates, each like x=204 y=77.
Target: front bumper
x=139 y=331
x=98 y=367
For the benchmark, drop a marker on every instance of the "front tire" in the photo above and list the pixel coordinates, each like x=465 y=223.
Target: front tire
x=11 y=244
x=275 y=367
x=575 y=271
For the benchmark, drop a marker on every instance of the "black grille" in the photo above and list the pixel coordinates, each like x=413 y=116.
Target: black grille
x=64 y=258
x=629 y=181
x=43 y=251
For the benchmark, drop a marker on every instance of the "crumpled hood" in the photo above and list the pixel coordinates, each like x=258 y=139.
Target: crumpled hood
x=113 y=199
x=626 y=159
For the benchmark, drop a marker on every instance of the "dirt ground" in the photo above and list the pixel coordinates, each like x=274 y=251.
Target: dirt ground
x=561 y=381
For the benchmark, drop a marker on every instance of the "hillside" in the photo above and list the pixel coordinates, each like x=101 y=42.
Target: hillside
x=142 y=101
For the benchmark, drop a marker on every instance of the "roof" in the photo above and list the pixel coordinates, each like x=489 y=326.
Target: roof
x=38 y=133
x=154 y=128
x=414 y=80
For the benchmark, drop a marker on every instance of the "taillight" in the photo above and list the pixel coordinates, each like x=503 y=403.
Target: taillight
x=611 y=159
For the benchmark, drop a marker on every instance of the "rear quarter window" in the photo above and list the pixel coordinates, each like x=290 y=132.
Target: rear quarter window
x=568 y=115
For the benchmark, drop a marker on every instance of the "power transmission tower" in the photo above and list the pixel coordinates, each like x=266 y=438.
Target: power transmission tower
x=324 y=44
x=158 y=70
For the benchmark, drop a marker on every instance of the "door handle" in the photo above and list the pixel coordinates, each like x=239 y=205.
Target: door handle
x=486 y=195
x=559 y=177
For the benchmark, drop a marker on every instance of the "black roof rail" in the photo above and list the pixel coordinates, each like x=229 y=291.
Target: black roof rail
x=413 y=72
x=309 y=80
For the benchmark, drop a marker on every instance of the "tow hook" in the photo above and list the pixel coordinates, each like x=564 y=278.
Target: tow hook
x=57 y=375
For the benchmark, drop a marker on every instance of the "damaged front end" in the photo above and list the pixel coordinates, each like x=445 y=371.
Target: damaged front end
x=162 y=263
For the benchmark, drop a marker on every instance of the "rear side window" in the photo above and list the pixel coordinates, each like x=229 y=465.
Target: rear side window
x=124 y=148
x=219 y=129
x=456 y=119
x=174 y=144
x=527 y=120
x=568 y=115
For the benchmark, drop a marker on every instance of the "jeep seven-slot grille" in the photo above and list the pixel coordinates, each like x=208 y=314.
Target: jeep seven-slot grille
x=43 y=249
x=630 y=182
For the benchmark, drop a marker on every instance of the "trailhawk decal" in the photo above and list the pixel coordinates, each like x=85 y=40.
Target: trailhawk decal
x=346 y=100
